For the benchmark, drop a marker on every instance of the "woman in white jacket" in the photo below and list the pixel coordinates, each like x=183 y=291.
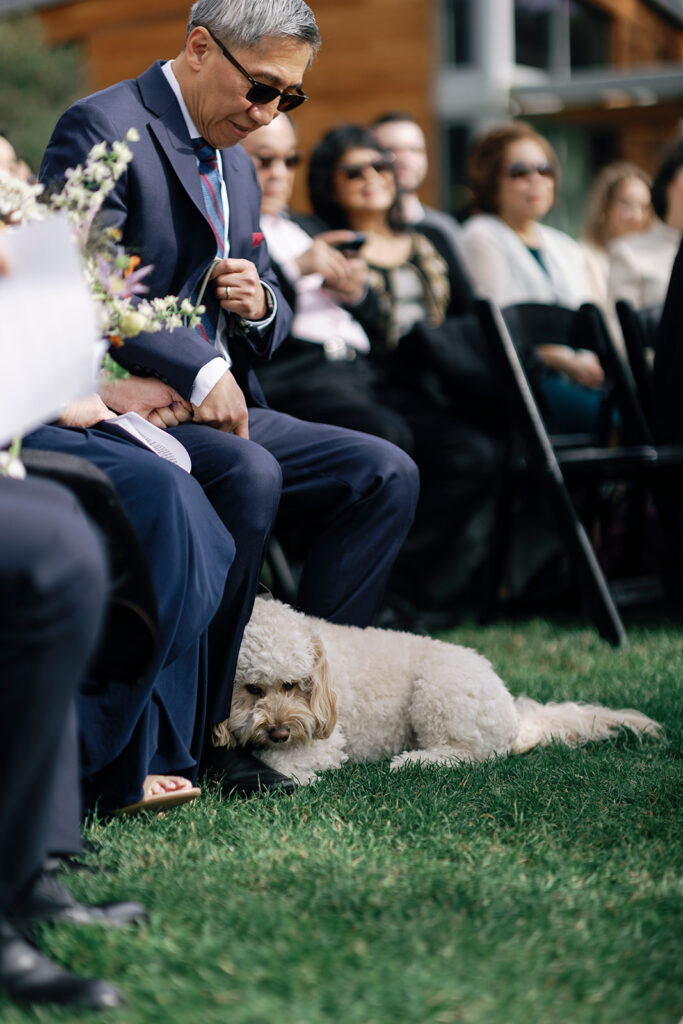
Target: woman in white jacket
x=511 y=257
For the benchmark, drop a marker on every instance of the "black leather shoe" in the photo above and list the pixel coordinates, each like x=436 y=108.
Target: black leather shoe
x=49 y=900
x=29 y=977
x=238 y=771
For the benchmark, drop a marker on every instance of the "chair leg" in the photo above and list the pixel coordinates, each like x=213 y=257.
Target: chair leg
x=496 y=563
x=284 y=583
x=601 y=603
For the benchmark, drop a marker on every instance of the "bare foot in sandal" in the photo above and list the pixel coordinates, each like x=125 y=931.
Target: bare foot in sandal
x=161 y=792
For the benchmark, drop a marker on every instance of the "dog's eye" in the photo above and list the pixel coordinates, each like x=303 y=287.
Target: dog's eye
x=255 y=690
x=288 y=686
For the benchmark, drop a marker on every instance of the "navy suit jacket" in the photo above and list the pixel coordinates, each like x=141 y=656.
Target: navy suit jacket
x=159 y=208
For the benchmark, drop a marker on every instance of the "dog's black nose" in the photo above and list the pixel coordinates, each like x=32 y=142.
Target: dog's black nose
x=280 y=734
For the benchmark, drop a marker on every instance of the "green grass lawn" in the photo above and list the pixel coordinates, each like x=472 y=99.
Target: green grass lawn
x=541 y=889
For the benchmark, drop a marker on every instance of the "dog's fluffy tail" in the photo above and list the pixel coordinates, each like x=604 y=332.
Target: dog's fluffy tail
x=574 y=724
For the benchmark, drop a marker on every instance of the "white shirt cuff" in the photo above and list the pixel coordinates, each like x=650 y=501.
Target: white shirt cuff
x=207 y=378
x=261 y=324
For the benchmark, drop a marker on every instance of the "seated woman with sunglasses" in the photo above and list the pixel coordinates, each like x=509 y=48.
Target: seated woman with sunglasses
x=512 y=258
x=414 y=287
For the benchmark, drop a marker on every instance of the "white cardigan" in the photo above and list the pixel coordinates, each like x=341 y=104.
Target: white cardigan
x=501 y=267
x=640 y=265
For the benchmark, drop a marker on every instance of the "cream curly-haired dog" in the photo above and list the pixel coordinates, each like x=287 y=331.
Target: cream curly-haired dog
x=310 y=695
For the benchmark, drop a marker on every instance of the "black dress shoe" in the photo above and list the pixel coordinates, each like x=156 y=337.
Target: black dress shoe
x=49 y=900
x=29 y=977
x=238 y=771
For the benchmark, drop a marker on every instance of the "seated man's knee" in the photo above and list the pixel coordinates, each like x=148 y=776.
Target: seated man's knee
x=399 y=477
x=259 y=487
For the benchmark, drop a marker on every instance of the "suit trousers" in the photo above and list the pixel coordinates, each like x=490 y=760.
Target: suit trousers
x=355 y=496
x=52 y=592
x=156 y=725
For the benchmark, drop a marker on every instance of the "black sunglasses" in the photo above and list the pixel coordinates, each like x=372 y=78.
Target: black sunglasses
x=261 y=93
x=266 y=162
x=354 y=171
x=521 y=170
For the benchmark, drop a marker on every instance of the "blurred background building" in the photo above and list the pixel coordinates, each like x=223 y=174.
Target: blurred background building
x=601 y=78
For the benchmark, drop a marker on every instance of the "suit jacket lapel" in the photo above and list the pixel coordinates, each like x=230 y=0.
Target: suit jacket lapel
x=238 y=220
x=168 y=127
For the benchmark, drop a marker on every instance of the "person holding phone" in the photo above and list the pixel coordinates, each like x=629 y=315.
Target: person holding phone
x=321 y=372
x=364 y=383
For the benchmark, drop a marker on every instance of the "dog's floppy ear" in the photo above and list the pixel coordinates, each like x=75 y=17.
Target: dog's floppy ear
x=221 y=735
x=323 y=698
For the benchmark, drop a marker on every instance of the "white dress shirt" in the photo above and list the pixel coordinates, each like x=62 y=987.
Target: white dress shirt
x=209 y=375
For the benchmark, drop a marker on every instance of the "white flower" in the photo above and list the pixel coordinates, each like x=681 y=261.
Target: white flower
x=131 y=323
x=132 y=135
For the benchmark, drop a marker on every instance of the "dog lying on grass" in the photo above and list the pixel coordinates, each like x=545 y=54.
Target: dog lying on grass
x=310 y=695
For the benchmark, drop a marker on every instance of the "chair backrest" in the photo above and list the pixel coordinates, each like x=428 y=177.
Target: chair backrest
x=635 y=426
x=639 y=328
x=131 y=632
x=521 y=397
x=534 y=323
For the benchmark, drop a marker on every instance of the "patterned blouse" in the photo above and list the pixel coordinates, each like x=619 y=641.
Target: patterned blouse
x=416 y=290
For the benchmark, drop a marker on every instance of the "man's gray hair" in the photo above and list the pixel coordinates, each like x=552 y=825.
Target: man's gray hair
x=243 y=23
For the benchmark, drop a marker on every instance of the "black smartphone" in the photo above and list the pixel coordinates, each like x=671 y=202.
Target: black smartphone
x=353 y=245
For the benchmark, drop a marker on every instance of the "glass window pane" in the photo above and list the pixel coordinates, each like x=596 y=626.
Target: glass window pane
x=456 y=143
x=589 y=34
x=533 y=31
x=458 y=31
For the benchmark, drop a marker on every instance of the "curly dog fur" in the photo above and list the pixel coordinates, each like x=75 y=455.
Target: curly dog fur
x=310 y=695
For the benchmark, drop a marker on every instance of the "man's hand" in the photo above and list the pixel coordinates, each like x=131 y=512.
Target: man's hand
x=239 y=289
x=224 y=407
x=85 y=412
x=147 y=396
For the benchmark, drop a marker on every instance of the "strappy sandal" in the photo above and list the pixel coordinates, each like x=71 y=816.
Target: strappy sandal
x=159 y=801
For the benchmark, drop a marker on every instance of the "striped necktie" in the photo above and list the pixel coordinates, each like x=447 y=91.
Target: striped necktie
x=211 y=191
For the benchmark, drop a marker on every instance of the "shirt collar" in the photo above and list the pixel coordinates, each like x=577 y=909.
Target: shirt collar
x=167 y=69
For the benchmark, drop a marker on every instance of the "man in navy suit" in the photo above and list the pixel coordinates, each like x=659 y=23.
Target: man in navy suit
x=189 y=203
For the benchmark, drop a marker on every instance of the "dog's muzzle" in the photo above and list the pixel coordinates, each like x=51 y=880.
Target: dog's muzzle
x=280 y=734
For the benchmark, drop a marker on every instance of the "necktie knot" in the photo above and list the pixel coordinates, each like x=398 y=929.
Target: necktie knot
x=205 y=152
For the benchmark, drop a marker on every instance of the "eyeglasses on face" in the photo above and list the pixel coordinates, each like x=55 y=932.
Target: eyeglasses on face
x=290 y=161
x=352 y=172
x=260 y=92
x=519 y=169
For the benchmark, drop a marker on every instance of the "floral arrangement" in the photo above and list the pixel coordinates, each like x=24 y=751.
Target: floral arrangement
x=114 y=276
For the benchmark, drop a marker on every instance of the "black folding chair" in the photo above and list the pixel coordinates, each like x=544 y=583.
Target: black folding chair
x=131 y=629
x=558 y=469
x=639 y=329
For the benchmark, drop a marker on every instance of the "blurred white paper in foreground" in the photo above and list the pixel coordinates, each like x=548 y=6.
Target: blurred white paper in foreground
x=48 y=332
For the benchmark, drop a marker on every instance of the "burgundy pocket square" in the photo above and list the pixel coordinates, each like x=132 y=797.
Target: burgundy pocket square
x=256 y=239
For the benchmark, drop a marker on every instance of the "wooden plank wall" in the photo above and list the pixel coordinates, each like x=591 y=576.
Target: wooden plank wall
x=377 y=55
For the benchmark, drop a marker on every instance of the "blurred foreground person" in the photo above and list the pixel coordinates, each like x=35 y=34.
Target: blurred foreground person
x=53 y=584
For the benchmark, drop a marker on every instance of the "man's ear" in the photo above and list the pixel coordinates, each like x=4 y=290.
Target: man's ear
x=197 y=47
